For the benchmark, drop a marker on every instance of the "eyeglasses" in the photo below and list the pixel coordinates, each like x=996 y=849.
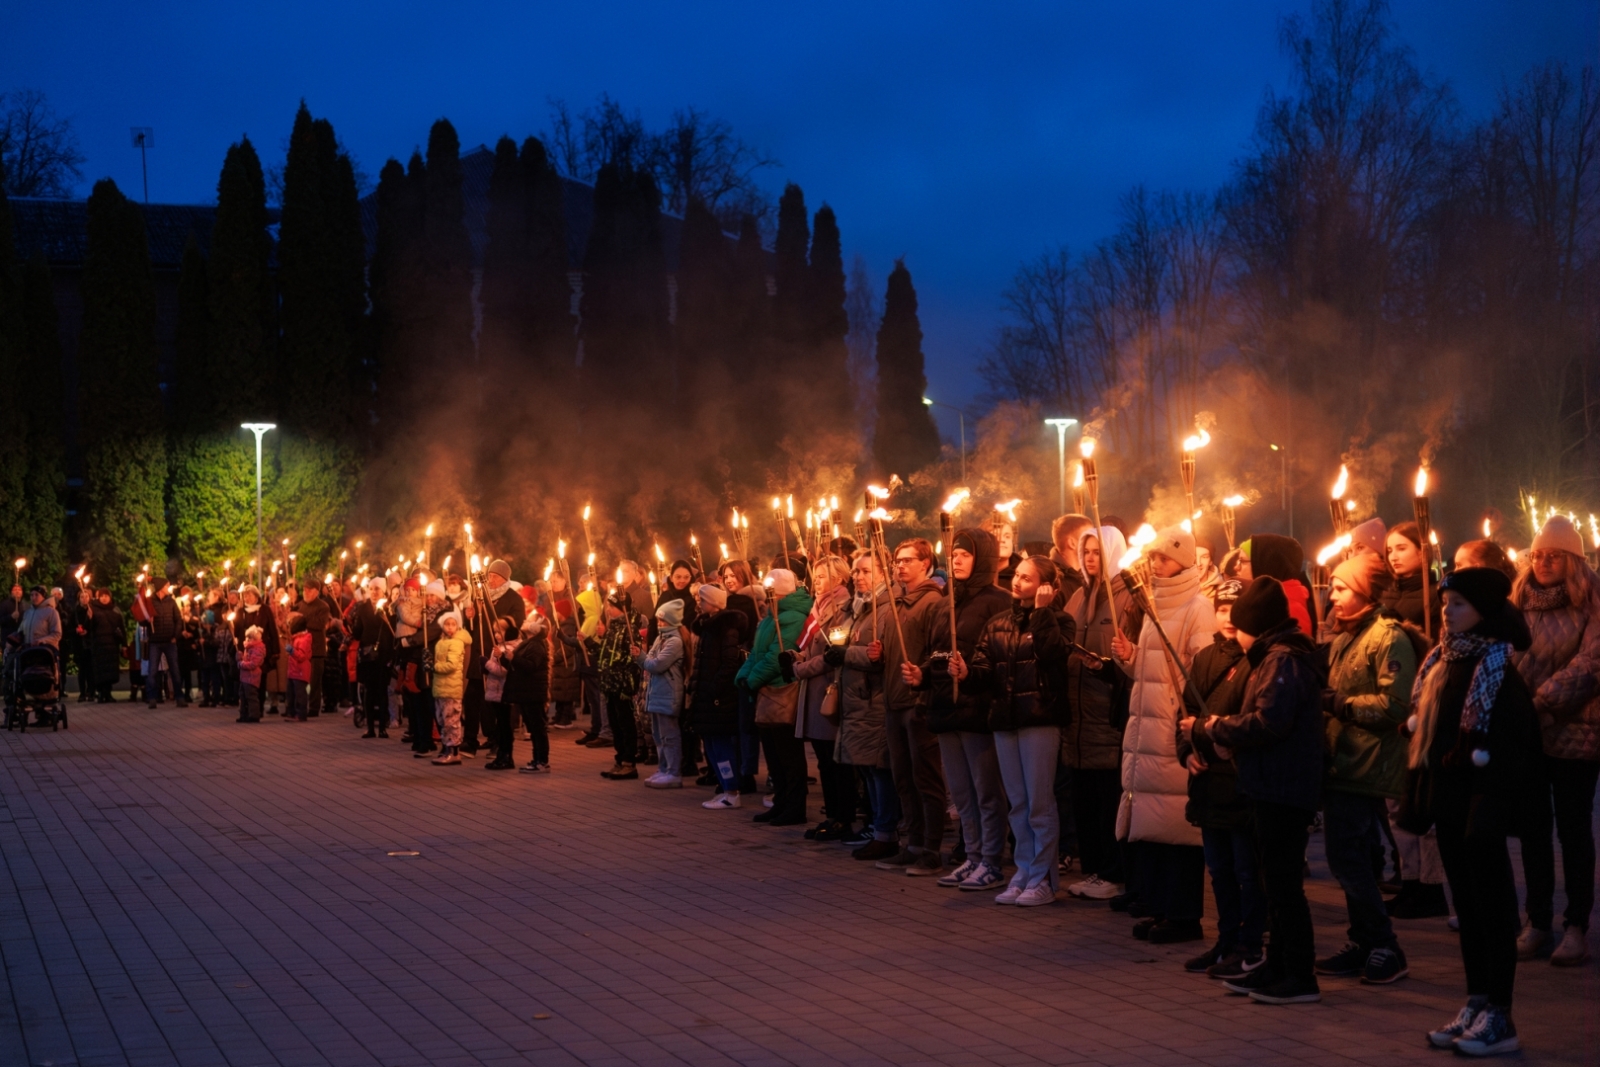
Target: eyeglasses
x=907 y=559
x=1546 y=556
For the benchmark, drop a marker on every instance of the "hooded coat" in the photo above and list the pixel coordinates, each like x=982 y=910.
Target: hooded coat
x=977 y=600
x=1562 y=669
x=1091 y=740
x=1155 y=786
x=761 y=669
x=916 y=607
x=713 y=702
x=1220 y=674
x=527 y=678
x=1370 y=672
x=1282 y=558
x=663 y=666
x=829 y=614
x=862 y=741
x=108 y=632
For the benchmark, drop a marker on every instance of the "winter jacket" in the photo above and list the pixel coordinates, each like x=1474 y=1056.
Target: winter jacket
x=165 y=620
x=978 y=600
x=663 y=667
x=754 y=606
x=1276 y=737
x=495 y=669
x=316 y=613
x=526 y=678
x=108 y=632
x=719 y=653
x=1220 y=674
x=761 y=669
x=618 y=673
x=566 y=659
x=863 y=704
x=1155 y=786
x=450 y=656
x=1019 y=667
x=250 y=662
x=1368 y=699
x=262 y=616
x=371 y=631
x=916 y=606
x=300 y=657
x=41 y=625
x=1404 y=598
x=1562 y=670
x=1090 y=740
x=829 y=616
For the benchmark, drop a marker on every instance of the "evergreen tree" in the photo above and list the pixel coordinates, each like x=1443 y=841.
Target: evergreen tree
x=791 y=303
x=396 y=283
x=239 y=371
x=906 y=439
x=625 y=290
x=549 y=296
x=46 y=481
x=447 y=254
x=705 y=282
x=829 y=360
x=120 y=397
x=14 y=538
x=196 y=395
x=748 y=357
x=505 y=262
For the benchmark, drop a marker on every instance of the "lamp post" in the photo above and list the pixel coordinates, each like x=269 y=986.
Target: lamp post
x=259 y=429
x=1062 y=425
x=961 y=418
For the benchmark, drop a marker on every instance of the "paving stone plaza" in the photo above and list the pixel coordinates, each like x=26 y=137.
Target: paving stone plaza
x=179 y=889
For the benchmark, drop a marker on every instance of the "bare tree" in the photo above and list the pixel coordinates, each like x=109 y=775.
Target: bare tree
x=698 y=157
x=38 y=150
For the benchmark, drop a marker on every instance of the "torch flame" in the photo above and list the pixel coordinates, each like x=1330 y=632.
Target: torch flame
x=475 y=564
x=619 y=574
x=1008 y=508
x=591 y=561
x=789 y=505
x=1343 y=483
x=955 y=500
x=661 y=557
x=1420 y=486
x=878 y=513
x=586 y=513
x=561 y=549
x=1194 y=441
x=777 y=503
x=1233 y=501
x=833 y=503
x=878 y=491
x=549 y=565
x=1129 y=558
x=1433 y=538
x=1487 y=531
x=1143 y=535
x=446 y=566
x=858 y=514
x=1187 y=525
x=1077 y=477
x=1086 y=448
x=467 y=526
x=429 y=531
x=693 y=540
x=1339 y=544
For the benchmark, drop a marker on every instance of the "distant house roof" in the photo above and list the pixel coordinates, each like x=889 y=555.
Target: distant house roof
x=60 y=229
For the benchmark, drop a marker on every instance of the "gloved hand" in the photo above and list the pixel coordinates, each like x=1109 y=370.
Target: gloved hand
x=834 y=656
x=786 y=664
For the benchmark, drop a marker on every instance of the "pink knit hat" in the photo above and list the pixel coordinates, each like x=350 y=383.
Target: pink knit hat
x=1559 y=533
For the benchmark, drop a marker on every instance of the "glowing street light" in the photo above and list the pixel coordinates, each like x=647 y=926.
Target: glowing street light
x=259 y=429
x=1062 y=426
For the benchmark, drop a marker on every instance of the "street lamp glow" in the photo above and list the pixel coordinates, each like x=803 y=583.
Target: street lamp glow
x=259 y=429
x=1062 y=426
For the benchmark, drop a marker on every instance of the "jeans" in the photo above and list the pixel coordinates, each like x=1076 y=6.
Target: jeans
x=1485 y=895
x=1350 y=828
x=838 y=784
x=169 y=651
x=314 y=688
x=974 y=776
x=1095 y=795
x=914 y=762
x=722 y=752
x=1028 y=759
x=885 y=802
x=669 y=741
x=1281 y=834
x=1236 y=885
x=786 y=762
x=624 y=732
x=595 y=702
x=1572 y=783
x=447 y=712
x=297 y=699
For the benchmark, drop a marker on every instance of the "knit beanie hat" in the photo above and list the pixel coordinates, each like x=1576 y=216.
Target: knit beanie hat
x=1175 y=543
x=435 y=588
x=376 y=586
x=1226 y=591
x=252 y=633
x=671 y=613
x=1485 y=588
x=1370 y=535
x=1368 y=575
x=783 y=581
x=1261 y=607
x=714 y=595
x=502 y=568
x=1559 y=533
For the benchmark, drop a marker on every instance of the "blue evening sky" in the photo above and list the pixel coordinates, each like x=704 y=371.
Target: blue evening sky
x=966 y=137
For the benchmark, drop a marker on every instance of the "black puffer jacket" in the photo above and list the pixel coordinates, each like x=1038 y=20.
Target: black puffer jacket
x=528 y=673
x=165 y=620
x=978 y=600
x=1219 y=674
x=713 y=704
x=1020 y=664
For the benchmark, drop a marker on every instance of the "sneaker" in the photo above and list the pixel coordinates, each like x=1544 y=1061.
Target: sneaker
x=985 y=877
x=534 y=768
x=500 y=764
x=768 y=800
x=1533 y=942
x=1490 y=1034
x=1169 y=932
x=1120 y=901
x=449 y=759
x=1288 y=991
x=1208 y=959
x=959 y=875
x=876 y=850
x=1236 y=964
x=1009 y=894
x=470 y=753
x=721 y=801
x=1036 y=895
x=1346 y=963
x=1249 y=982
x=664 y=781
x=1385 y=965
x=1445 y=1036
x=1093 y=888
x=811 y=834
x=926 y=865
x=857 y=838
x=1573 y=950
x=832 y=831
x=898 y=862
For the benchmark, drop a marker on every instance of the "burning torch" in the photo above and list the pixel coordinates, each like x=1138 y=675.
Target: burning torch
x=1419 y=509
x=1229 y=505
x=1336 y=508
x=947 y=528
x=1186 y=462
x=1091 y=482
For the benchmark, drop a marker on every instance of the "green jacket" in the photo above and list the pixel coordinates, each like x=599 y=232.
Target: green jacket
x=761 y=668
x=1370 y=672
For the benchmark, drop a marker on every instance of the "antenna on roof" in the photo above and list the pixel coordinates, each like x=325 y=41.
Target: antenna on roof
x=143 y=137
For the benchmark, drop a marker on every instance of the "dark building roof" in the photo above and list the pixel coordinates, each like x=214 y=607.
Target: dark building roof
x=60 y=229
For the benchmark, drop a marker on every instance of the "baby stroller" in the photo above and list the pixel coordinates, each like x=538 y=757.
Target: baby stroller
x=33 y=683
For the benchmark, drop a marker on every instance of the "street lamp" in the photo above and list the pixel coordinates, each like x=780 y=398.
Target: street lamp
x=1062 y=425
x=258 y=428
x=961 y=417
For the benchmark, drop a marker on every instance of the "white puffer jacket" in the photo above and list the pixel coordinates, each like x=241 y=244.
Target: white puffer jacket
x=1155 y=786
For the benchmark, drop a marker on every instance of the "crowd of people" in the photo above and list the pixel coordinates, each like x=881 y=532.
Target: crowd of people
x=993 y=721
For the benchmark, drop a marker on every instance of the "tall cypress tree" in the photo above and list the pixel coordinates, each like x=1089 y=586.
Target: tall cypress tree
x=196 y=395
x=549 y=297
x=120 y=397
x=705 y=283
x=396 y=284
x=625 y=301
x=791 y=303
x=240 y=369
x=906 y=439
x=447 y=252
x=749 y=357
x=505 y=261
x=14 y=538
x=46 y=480
x=829 y=361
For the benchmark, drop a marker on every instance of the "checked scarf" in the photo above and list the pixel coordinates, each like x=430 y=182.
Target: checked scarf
x=1486 y=677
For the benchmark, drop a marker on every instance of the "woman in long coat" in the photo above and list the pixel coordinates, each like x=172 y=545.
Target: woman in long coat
x=108 y=632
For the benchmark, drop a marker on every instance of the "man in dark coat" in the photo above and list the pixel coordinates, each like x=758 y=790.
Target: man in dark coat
x=315 y=611
x=166 y=622
x=374 y=637
x=503 y=602
x=107 y=633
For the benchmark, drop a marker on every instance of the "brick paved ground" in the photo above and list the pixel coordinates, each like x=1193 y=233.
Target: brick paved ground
x=178 y=889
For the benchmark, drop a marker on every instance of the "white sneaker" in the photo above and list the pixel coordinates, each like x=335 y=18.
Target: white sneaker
x=985 y=877
x=1035 y=895
x=766 y=801
x=1573 y=950
x=721 y=800
x=1533 y=942
x=1009 y=894
x=1094 y=888
x=664 y=781
x=959 y=875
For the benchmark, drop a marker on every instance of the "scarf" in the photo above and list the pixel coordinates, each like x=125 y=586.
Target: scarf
x=1492 y=655
x=1540 y=598
x=1169 y=594
x=1349 y=624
